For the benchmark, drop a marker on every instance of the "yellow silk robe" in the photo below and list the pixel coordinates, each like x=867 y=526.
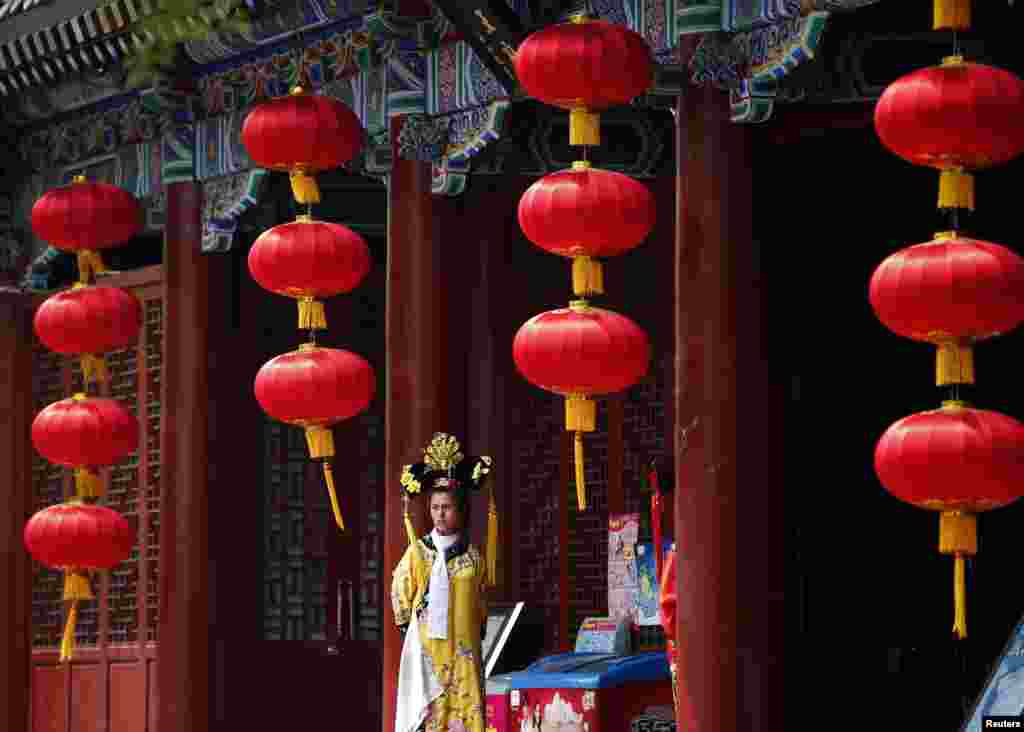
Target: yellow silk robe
x=455 y=662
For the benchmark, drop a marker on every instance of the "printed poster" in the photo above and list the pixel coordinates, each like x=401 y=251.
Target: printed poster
x=623 y=573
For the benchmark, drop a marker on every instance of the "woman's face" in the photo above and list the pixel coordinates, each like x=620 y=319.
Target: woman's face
x=444 y=512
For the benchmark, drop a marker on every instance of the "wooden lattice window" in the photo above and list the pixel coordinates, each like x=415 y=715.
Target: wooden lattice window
x=294 y=572
x=125 y=611
x=313 y=588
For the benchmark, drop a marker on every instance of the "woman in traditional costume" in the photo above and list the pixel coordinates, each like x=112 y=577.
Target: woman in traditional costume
x=438 y=595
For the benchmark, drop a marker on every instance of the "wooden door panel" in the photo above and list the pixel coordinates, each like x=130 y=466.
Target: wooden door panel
x=128 y=697
x=49 y=711
x=87 y=698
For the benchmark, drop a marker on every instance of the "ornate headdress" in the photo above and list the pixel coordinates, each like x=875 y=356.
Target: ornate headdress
x=445 y=468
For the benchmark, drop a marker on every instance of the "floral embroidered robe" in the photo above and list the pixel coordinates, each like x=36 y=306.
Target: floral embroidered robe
x=455 y=663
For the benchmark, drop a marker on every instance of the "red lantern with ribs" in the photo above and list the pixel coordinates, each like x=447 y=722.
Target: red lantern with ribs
x=84 y=217
x=584 y=213
x=956 y=117
x=307 y=260
x=77 y=538
x=952 y=291
x=302 y=134
x=584 y=66
x=579 y=352
x=85 y=433
x=315 y=387
x=959 y=461
x=88 y=321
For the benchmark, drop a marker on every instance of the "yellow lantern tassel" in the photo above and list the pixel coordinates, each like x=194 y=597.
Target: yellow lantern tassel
x=584 y=128
x=587 y=277
x=954 y=363
x=492 y=542
x=581 y=489
x=320 y=441
x=956 y=189
x=580 y=417
x=76 y=588
x=67 y=642
x=329 y=479
x=410 y=532
x=88 y=484
x=959 y=597
x=952 y=15
x=311 y=314
x=304 y=187
x=89 y=265
x=958 y=535
x=94 y=369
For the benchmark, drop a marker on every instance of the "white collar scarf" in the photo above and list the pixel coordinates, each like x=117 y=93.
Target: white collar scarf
x=437 y=608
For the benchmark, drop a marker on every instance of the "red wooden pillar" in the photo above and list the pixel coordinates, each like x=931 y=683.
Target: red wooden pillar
x=424 y=362
x=183 y=672
x=729 y=528
x=16 y=477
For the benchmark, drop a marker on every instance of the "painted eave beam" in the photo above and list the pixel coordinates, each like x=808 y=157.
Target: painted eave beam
x=492 y=29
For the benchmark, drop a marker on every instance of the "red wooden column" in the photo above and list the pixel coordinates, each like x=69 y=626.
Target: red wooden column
x=425 y=358
x=729 y=528
x=16 y=477
x=183 y=672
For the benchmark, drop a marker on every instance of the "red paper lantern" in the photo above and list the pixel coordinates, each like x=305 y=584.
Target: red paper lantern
x=951 y=291
x=78 y=538
x=957 y=460
x=314 y=388
x=584 y=66
x=89 y=320
x=578 y=352
x=955 y=117
x=587 y=212
x=302 y=134
x=85 y=431
x=86 y=215
x=308 y=259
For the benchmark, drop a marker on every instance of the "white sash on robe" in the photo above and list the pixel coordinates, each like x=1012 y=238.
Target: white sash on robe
x=418 y=686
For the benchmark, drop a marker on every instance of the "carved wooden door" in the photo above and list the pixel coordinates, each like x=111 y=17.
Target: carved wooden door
x=321 y=608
